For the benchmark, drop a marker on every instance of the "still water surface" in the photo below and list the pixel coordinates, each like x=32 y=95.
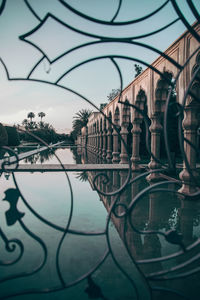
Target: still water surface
x=68 y=259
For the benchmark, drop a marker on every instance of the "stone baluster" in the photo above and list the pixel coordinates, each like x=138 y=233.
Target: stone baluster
x=136 y=131
x=190 y=125
x=155 y=130
x=115 y=153
x=124 y=135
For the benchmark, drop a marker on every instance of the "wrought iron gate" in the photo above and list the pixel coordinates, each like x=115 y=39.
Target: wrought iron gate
x=160 y=274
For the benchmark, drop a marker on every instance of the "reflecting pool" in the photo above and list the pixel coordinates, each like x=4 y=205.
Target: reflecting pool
x=76 y=236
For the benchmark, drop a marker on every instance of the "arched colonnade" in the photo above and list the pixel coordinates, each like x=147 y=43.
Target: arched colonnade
x=120 y=133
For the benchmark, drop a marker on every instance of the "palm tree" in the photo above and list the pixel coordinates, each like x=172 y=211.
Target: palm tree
x=41 y=115
x=25 y=123
x=31 y=115
x=80 y=120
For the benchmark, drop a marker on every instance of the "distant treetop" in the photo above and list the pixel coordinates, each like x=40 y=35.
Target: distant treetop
x=138 y=70
x=114 y=93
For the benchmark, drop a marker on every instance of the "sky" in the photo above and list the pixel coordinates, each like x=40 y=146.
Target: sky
x=93 y=80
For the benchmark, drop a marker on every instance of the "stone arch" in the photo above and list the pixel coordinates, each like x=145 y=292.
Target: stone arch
x=116 y=119
x=109 y=137
x=117 y=123
x=162 y=90
x=161 y=95
x=116 y=138
x=109 y=118
x=126 y=121
x=101 y=128
x=195 y=89
x=141 y=102
x=95 y=127
x=126 y=112
x=104 y=127
x=194 y=102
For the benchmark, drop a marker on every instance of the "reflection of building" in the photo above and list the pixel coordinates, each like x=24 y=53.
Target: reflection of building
x=159 y=212
x=149 y=93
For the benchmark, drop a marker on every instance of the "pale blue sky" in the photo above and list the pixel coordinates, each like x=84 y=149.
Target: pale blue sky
x=93 y=80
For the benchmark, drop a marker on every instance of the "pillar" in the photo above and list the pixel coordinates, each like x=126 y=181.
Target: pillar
x=155 y=130
x=136 y=131
x=190 y=125
x=124 y=153
x=115 y=153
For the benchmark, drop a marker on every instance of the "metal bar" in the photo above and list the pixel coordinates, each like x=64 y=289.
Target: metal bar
x=66 y=167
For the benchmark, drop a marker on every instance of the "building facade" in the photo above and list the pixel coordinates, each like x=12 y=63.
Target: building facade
x=146 y=116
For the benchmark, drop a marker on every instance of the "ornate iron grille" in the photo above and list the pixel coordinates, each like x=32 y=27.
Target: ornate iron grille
x=122 y=192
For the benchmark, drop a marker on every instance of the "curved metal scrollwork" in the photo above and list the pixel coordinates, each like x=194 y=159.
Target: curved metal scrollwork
x=126 y=195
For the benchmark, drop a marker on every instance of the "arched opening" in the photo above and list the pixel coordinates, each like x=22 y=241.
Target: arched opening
x=141 y=102
x=195 y=97
x=162 y=91
x=126 y=119
x=117 y=123
x=110 y=125
x=101 y=125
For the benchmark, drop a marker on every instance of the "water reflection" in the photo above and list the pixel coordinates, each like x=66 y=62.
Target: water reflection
x=160 y=257
x=138 y=229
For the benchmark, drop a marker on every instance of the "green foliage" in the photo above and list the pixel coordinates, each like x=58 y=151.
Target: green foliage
x=80 y=121
x=13 y=136
x=3 y=136
x=138 y=70
x=41 y=115
x=113 y=94
x=102 y=105
x=31 y=115
x=42 y=130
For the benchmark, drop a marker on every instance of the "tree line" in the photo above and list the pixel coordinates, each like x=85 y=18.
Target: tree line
x=41 y=129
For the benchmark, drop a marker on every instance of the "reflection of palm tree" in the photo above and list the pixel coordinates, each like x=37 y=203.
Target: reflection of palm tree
x=82 y=176
x=31 y=115
x=41 y=115
x=40 y=157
